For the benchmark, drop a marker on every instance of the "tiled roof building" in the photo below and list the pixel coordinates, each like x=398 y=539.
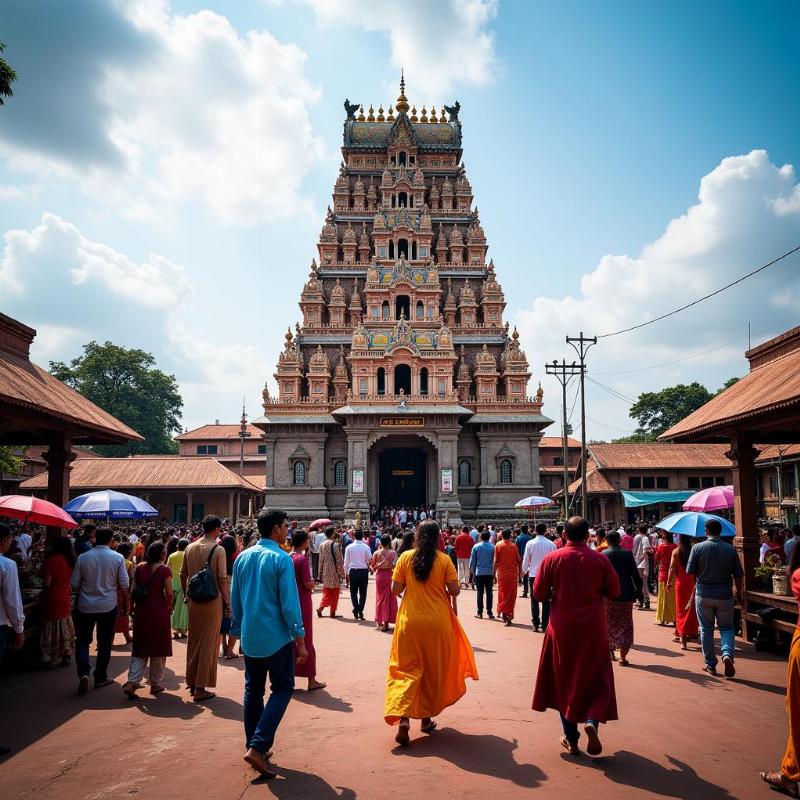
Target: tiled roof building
x=179 y=487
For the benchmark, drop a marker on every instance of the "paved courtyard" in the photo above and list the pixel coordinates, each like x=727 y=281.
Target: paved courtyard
x=682 y=734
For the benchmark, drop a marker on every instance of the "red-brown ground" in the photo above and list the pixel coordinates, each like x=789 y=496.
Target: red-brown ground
x=682 y=734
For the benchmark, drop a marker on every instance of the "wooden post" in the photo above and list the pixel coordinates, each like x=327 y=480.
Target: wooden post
x=189 y=508
x=59 y=458
x=743 y=456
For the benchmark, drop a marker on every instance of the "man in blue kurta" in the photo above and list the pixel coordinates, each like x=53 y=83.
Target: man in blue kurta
x=266 y=617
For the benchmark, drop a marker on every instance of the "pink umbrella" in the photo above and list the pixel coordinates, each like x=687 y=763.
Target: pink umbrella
x=32 y=509
x=320 y=523
x=712 y=499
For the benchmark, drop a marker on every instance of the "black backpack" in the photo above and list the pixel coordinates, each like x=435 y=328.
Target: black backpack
x=201 y=587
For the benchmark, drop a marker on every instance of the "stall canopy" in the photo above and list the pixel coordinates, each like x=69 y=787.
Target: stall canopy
x=636 y=499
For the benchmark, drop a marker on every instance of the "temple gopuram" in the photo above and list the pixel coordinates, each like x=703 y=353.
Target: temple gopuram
x=402 y=384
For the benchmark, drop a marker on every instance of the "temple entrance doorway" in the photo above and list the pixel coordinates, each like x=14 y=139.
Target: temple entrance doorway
x=402 y=477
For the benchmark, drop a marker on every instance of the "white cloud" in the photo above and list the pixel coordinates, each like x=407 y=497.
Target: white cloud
x=439 y=44
x=199 y=114
x=72 y=290
x=744 y=217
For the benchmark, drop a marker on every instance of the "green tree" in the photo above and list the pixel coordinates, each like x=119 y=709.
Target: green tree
x=127 y=384
x=10 y=462
x=655 y=412
x=728 y=383
x=7 y=77
x=634 y=438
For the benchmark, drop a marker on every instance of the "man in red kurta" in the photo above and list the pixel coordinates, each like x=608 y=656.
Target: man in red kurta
x=575 y=675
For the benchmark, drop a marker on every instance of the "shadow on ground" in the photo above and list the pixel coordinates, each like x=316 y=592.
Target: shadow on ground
x=631 y=769
x=482 y=754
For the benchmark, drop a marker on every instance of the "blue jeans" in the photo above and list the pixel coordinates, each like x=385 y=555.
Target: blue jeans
x=571 y=729
x=84 y=632
x=708 y=610
x=260 y=721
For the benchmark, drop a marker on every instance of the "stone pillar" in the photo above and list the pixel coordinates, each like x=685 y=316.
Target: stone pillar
x=231 y=505
x=602 y=509
x=269 y=462
x=743 y=456
x=357 y=462
x=448 y=504
x=188 y=508
x=536 y=479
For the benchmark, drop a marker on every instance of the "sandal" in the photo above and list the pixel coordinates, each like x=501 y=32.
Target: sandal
x=402 y=734
x=200 y=698
x=775 y=780
x=571 y=748
x=429 y=728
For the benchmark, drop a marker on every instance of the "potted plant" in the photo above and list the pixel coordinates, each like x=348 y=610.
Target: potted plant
x=772 y=574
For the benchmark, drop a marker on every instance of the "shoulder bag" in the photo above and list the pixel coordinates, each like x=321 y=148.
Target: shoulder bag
x=202 y=588
x=139 y=593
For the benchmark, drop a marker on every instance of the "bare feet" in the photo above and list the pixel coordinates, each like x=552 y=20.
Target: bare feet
x=257 y=762
x=313 y=683
x=201 y=695
x=428 y=725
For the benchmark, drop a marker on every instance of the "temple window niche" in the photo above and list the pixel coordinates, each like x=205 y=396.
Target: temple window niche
x=403 y=306
x=402 y=248
x=401 y=159
x=402 y=200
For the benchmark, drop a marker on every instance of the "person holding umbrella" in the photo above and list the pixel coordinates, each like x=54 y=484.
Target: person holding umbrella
x=716 y=566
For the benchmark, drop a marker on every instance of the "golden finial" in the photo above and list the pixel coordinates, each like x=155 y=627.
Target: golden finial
x=424 y=117
x=371 y=117
x=402 y=101
x=442 y=118
x=433 y=113
x=361 y=117
x=414 y=114
x=381 y=118
x=390 y=116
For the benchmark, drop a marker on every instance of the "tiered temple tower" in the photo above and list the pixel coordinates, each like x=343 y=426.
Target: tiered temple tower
x=402 y=385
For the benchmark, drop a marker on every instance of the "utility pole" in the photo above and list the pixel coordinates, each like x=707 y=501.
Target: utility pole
x=581 y=344
x=243 y=434
x=564 y=373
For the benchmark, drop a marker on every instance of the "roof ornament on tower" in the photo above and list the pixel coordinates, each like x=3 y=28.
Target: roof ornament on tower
x=402 y=101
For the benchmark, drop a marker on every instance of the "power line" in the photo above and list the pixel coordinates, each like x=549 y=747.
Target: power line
x=775 y=326
x=611 y=391
x=701 y=299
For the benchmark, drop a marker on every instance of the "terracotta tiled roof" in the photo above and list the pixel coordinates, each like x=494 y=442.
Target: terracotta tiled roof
x=596 y=481
x=28 y=387
x=771 y=386
x=555 y=441
x=206 y=432
x=660 y=455
x=148 y=472
x=34 y=453
x=770 y=452
x=259 y=481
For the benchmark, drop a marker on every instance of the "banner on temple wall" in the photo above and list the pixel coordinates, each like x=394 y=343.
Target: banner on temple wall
x=447 y=481
x=358 y=481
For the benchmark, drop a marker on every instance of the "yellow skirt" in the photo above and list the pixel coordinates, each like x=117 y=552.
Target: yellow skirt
x=665 y=611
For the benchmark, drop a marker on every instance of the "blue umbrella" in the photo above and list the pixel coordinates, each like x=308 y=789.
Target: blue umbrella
x=108 y=504
x=693 y=523
x=534 y=501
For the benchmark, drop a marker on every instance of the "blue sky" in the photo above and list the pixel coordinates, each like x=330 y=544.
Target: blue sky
x=164 y=170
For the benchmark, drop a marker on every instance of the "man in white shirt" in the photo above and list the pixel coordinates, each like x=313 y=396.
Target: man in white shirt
x=12 y=617
x=24 y=542
x=403 y=516
x=356 y=571
x=97 y=574
x=316 y=543
x=535 y=551
x=641 y=553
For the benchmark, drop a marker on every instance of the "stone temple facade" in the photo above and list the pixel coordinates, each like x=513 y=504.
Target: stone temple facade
x=402 y=384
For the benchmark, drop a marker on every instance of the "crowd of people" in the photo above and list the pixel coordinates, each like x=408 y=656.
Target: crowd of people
x=248 y=592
